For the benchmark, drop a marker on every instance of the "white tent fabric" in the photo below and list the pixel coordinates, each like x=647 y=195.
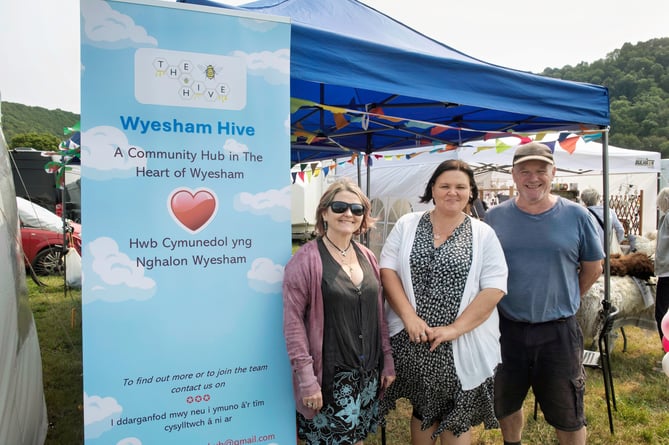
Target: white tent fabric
x=586 y=159
x=33 y=215
x=23 y=416
x=403 y=174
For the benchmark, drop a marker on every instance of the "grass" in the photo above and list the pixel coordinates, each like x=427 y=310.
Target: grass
x=58 y=319
x=642 y=393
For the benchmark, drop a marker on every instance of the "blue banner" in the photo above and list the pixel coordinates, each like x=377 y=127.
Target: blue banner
x=185 y=152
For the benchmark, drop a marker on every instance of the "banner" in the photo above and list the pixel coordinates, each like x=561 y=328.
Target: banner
x=185 y=150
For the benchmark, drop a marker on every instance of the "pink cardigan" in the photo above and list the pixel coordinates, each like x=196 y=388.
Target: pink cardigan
x=303 y=321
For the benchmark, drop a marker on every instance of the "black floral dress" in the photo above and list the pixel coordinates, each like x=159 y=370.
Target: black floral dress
x=429 y=379
x=352 y=357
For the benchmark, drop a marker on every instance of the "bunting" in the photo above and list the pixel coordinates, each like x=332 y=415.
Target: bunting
x=569 y=144
x=308 y=171
x=501 y=147
x=343 y=116
x=565 y=141
x=72 y=129
x=67 y=151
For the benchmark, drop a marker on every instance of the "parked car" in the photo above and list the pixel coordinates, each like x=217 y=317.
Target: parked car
x=42 y=238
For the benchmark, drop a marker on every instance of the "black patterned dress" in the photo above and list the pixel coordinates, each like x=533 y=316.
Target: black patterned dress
x=352 y=357
x=428 y=379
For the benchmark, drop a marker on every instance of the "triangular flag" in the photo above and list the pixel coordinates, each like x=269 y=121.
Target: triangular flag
x=562 y=137
x=72 y=129
x=592 y=137
x=550 y=145
x=437 y=129
x=569 y=144
x=501 y=147
x=340 y=120
x=483 y=147
x=296 y=104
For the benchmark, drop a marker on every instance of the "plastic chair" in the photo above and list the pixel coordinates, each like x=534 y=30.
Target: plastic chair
x=601 y=359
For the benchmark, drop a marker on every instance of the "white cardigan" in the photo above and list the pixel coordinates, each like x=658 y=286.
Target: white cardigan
x=476 y=353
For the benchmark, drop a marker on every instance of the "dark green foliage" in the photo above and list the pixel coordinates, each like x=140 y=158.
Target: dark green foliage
x=39 y=141
x=18 y=119
x=637 y=77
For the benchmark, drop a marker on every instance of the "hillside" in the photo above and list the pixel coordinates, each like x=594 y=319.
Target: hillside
x=20 y=119
x=637 y=77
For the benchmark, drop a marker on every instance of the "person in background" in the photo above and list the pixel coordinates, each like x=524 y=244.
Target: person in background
x=443 y=274
x=591 y=199
x=335 y=330
x=477 y=208
x=662 y=259
x=554 y=256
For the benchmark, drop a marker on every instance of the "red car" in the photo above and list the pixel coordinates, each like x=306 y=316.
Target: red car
x=42 y=238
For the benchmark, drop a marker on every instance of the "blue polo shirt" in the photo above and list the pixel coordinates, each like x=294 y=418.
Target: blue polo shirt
x=543 y=253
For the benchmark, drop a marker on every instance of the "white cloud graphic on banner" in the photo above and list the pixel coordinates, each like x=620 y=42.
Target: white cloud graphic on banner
x=105 y=154
x=275 y=203
x=114 y=277
x=98 y=412
x=129 y=441
x=234 y=146
x=106 y=28
x=265 y=276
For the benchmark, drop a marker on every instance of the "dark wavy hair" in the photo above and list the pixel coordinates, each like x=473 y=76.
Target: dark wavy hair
x=344 y=185
x=451 y=164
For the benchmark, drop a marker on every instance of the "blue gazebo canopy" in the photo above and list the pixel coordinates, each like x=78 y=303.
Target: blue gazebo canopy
x=363 y=81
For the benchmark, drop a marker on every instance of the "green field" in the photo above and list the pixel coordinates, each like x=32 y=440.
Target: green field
x=642 y=392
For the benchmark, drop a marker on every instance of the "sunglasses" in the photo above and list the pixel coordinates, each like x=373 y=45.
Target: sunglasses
x=341 y=206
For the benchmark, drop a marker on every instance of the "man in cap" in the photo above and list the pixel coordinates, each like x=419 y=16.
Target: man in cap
x=554 y=255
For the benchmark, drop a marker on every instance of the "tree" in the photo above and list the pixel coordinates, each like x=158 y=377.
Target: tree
x=637 y=77
x=39 y=141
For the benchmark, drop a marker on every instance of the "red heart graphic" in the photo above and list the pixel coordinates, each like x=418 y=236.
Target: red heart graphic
x=193 y=210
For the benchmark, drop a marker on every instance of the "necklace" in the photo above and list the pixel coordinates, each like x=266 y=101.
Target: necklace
x=436 y=234
x=345 y=263
x=341 y=251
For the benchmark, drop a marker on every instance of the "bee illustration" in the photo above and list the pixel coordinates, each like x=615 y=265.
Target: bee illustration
x=209 y=71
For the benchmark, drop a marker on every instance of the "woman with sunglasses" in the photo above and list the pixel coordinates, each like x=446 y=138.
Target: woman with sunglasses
x=443 y=273
x=336 y=333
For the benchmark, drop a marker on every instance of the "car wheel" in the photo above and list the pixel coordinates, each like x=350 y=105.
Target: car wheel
x=49 y=261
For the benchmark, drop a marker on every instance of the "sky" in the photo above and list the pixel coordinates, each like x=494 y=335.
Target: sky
x=39 y=53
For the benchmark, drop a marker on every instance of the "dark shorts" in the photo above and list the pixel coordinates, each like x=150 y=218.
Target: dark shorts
x=547 y=357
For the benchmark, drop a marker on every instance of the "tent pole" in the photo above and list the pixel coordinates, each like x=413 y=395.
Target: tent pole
x=63 y=210
x=607 y=216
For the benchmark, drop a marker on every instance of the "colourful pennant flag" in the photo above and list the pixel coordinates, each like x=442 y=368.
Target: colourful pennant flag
x=340 y=120
x=569 y=144
x=72 y=129
x=501 y=147
x=551 y=145
x=592 y=137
